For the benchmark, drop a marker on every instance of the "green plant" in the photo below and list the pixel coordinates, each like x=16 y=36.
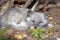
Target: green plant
x=37 y=33
x=2 y=32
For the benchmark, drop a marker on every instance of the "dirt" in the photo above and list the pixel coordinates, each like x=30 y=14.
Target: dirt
x=54 y=22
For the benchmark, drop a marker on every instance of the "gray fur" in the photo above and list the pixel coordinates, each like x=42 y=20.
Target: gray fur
x=22 y=18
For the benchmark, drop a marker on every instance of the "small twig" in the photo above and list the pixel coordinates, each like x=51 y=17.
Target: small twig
x=45 y=6
x=27 y=3
x=42 y=6
x=35 y=5
x=52 y=6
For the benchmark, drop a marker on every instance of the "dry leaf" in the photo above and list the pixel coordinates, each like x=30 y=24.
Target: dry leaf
x=51 y=33
x=18 y=36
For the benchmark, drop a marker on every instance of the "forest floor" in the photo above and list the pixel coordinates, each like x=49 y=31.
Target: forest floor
x=51 y=33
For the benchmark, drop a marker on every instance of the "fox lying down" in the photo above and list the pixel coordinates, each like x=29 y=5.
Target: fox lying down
x=22 y=19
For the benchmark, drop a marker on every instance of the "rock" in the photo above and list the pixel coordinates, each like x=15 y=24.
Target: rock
x=25 y=35
x=50 y=25
x=50 y=18
x=31 y=27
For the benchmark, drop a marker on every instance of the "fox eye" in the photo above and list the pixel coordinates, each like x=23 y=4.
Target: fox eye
x=40 y=22
x=33 y=21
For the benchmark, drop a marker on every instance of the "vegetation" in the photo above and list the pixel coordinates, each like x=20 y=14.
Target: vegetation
x=37 y=33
